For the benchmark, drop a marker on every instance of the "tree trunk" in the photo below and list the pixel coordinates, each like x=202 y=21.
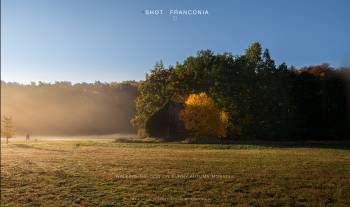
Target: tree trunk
x=7 y=140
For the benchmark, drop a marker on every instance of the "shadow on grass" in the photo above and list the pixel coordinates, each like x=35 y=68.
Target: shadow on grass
x=324 y=145
x=345 y=145
x=26 y=146
x=139 y=140
x=341 y=144
x=234 y=144
x=151 y=143
x=23 y=146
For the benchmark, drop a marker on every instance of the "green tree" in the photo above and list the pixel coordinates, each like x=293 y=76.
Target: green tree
x=253 y=53
x=154 y=92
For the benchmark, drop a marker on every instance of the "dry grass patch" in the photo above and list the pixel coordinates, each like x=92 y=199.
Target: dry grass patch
x=60 y=173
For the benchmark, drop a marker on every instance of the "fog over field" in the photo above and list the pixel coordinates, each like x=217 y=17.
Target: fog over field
x=66 y=109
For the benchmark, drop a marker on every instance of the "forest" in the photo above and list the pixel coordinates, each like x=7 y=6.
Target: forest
x=63 y=108
x=260 y=100
x=264 y=101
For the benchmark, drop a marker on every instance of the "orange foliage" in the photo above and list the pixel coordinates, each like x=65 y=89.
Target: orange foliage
x=203 y=118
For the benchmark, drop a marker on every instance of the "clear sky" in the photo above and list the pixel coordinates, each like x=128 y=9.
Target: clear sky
x=114 y=40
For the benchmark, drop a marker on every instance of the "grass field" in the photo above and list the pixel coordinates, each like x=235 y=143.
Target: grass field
x=98 y=172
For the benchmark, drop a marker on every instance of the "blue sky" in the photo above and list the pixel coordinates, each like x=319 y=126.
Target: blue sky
x=113 y=40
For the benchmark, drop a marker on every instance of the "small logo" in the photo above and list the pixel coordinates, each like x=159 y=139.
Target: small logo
x=175 y=13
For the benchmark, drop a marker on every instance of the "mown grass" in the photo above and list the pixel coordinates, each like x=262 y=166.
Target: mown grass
x=105 y=173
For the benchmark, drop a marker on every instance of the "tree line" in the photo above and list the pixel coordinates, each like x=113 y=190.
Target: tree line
x=263 y=100
x=257 y=99
x=63 y=108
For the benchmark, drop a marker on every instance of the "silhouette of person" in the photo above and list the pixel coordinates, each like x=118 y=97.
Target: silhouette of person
x=27 y=137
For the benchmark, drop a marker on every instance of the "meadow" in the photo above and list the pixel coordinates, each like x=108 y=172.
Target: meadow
x=102 y=172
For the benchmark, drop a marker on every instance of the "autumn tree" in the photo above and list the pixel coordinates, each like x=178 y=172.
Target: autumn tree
x=203 y=118
x=7 y=128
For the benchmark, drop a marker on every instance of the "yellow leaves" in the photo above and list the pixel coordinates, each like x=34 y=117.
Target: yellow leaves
x=203 y=118
x=224 y=121
x=199 y=100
